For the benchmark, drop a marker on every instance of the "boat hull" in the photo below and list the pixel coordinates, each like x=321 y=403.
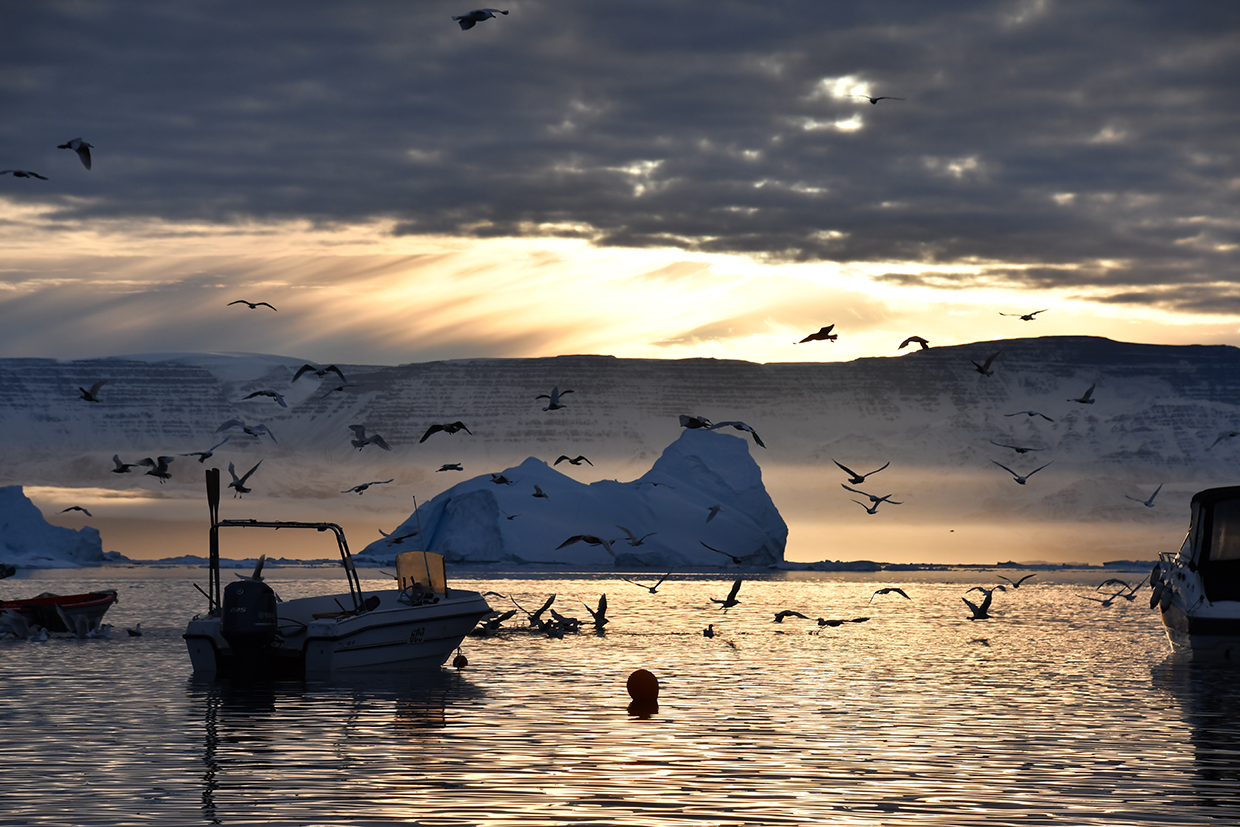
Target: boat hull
x=392 y=636
x=75 y=613
x=1214 y=635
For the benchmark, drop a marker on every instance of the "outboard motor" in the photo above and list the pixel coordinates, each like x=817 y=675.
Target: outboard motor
x=249 y=625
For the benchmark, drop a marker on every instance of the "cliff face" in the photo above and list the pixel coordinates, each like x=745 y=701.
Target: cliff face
x=28 y=541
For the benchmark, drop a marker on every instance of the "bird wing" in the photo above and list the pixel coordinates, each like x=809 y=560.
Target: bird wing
x=846 y=468
x=1155 y=494
x=1036 y=470
x=575 y=538
x=247 y=473
x=335 y=370
x=378 y=440
x=1005 y=468
x=303 y=369
x=876 y=470
x=736 y=587
x=591 y=464
x=432 y=429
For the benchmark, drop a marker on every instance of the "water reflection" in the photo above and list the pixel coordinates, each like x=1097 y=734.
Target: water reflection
x=1207 y=693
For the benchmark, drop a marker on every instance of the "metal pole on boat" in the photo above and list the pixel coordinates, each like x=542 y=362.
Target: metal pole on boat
x=426 y=561
x=213 y=506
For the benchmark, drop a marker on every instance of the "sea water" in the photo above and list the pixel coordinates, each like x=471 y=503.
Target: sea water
x=1056 y=710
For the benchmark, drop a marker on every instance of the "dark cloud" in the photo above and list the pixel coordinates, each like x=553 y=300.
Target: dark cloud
x=1053 y=134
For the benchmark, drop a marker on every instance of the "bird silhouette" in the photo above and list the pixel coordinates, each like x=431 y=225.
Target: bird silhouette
x=159 y=468
x=787 y=613
x=121 y=467
x=886 y=498
x=1017 y=448
x=553 y=398
x=599 y=615
x=500 y=479
x=1025 y=317
x=740 y=426
x=1227 y=435
x=390 y=540
x=278 y=397
x=319 y=372
x=1147 y=503
x=469 y=20
x=857 y=479
x=588 y=539
x=81 y=148
x=538 y=492
x=360 y=440
x=1086 y=398
x=823 y=335
x=729 y=601
x=1031 y=413
x=925 y=345
x=889 y=590
x=1019 y=479
x=77 y=508
x=1016 y=583
x=92 y=395
x=572 y=460
x=652 y=589
x=449 y=428
x=879 y=98
x=692 y=422
x=450 y=466
x=251 y=430
x=361 y=488
x=734 y=558
x=238 y=483
x=980 y=612
x=869 y=509
x=634 y=540
x=203 y=456
x=23 y=173
x=984 y=368
x=251 y=305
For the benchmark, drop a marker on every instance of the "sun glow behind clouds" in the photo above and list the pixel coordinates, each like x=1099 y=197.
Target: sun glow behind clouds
x=363 y=294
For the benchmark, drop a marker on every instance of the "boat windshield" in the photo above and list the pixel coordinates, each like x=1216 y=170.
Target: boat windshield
x=1225 y=531
x=426 y=569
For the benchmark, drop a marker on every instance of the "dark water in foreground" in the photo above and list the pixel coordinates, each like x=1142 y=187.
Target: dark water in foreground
x=1055 y=711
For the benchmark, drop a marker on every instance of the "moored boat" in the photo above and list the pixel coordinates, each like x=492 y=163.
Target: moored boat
x=76 y=613
x=1197 y=589
x=249 y=632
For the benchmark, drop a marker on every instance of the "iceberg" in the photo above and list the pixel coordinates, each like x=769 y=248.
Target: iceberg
x=29 y=541
x=704 y=490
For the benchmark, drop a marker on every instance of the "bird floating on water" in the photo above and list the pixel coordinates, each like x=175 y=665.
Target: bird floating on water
x=823 y=335
x=92 y=395
x=23 y=173
x=1150 y=502
x=81 y=148
x=1019 y=479
x=857 y=479
x=251 y=305
x=709 y=631
x=468 y=21
x=1025 y=317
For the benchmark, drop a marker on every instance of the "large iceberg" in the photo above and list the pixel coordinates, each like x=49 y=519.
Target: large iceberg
x=499 y=519
x=29 y=541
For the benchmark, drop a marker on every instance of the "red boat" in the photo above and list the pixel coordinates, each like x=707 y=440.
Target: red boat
x=78 y=613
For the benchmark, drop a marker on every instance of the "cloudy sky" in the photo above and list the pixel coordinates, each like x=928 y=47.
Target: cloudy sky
x=645 y=179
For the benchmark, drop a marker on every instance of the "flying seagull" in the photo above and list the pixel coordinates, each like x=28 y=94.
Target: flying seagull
x=238 y=483
x=869 y=509
x=159 y=468
x=252 y=305
x=1031 y=413
x=634 y=540
x=730 y=600
x=500 y=479
x=1221 y=437
x=1025 y=317
x=361 y=489
x=1086 y=398
x=1016 y=583
x=823 y=335
x=203 y=456
x=121 y=467
x=1147 y=503
x=890 y=590
x=780 y=616
x=468 y=21
x=92 y=395
x=572 y=460
x=252 y=430
x=553 y=398
x=77 y=508
x=319 y=372
x=857 y=479
x=984 y=368
x=872 y=498
x=588 y=539
x=925 y=345
x=879 y=98
x=1017 y=448
x=390 y=540
x=692 y=422
x=23 y=173
x=600 y=614
x=81 y=148
x=740 y=426
x=538 y=492
x=450 y=428
x=980 y=612
x=360 y=440
x=1019 y=479
x=737 y=560
x=652 y=589
x=278 y=397
x=450 y=466
x=713 y=512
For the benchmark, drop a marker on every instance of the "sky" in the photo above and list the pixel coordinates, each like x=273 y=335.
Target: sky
x=655 y=180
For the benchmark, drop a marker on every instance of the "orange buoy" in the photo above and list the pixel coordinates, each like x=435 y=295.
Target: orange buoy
x=460 y=661
x=643 y=686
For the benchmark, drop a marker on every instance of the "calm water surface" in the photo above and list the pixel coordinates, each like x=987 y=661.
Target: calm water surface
x=1055 y=711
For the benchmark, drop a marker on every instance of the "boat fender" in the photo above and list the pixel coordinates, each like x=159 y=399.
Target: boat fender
x=1155 y=574
x=1156 y=597
x=1164 y=602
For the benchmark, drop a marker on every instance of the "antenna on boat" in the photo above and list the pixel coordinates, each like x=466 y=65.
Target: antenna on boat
x=426 y=561
x=213 y=507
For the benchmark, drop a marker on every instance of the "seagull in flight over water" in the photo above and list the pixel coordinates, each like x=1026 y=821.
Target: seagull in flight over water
x=823 y=335
x=1147 y=503
x=652 y=589
x=984 y=368
x=1019 y=479
x=251 y=305
x=1086 y=398
x=857 y=479
x=983 y=611
x=730 y=600
x=890 y=590
x=1016 y=583
x=1025 y=317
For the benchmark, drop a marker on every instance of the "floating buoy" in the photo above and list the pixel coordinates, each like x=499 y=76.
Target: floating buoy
x=460 y=661
x=643 y=686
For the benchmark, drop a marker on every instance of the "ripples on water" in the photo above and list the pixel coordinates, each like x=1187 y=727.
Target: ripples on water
x=1055 y=711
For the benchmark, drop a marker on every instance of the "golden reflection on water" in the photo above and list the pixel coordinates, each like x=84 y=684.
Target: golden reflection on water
x=1054 y=711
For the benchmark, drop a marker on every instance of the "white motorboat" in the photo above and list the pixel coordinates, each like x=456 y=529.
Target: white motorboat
x=1198 y=588
x=249 y=632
